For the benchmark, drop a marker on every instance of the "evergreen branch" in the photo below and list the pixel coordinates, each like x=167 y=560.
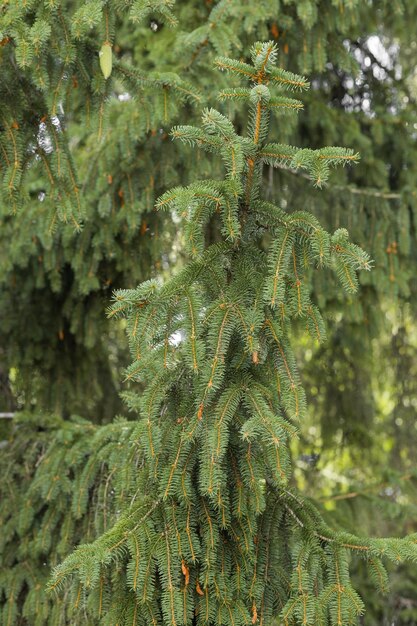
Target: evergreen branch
x=279 y=259
x=285 y=103
x=238 y=67
x=225 y=541
x=288 y=80
x=107 y=540
x=235 y=94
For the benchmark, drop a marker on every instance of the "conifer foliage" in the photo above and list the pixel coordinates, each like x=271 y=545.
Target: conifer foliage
x=77 y=189
x=54 y=60
x=213 y=534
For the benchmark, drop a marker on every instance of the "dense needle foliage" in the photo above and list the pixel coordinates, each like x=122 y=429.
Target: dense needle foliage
x=220 y=537
x=61 y=122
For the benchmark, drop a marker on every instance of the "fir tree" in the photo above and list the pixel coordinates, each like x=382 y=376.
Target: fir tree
x=329 y=39
x=214 y=534
x=376 y=202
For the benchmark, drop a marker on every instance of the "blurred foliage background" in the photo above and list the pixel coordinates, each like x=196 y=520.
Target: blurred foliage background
x=83 y=159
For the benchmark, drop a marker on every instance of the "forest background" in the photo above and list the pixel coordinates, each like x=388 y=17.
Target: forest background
x=83 y=160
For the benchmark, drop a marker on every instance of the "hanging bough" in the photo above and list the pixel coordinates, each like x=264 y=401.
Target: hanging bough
x=225 y=540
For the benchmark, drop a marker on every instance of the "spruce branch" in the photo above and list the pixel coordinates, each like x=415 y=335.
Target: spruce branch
x=226 y=540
